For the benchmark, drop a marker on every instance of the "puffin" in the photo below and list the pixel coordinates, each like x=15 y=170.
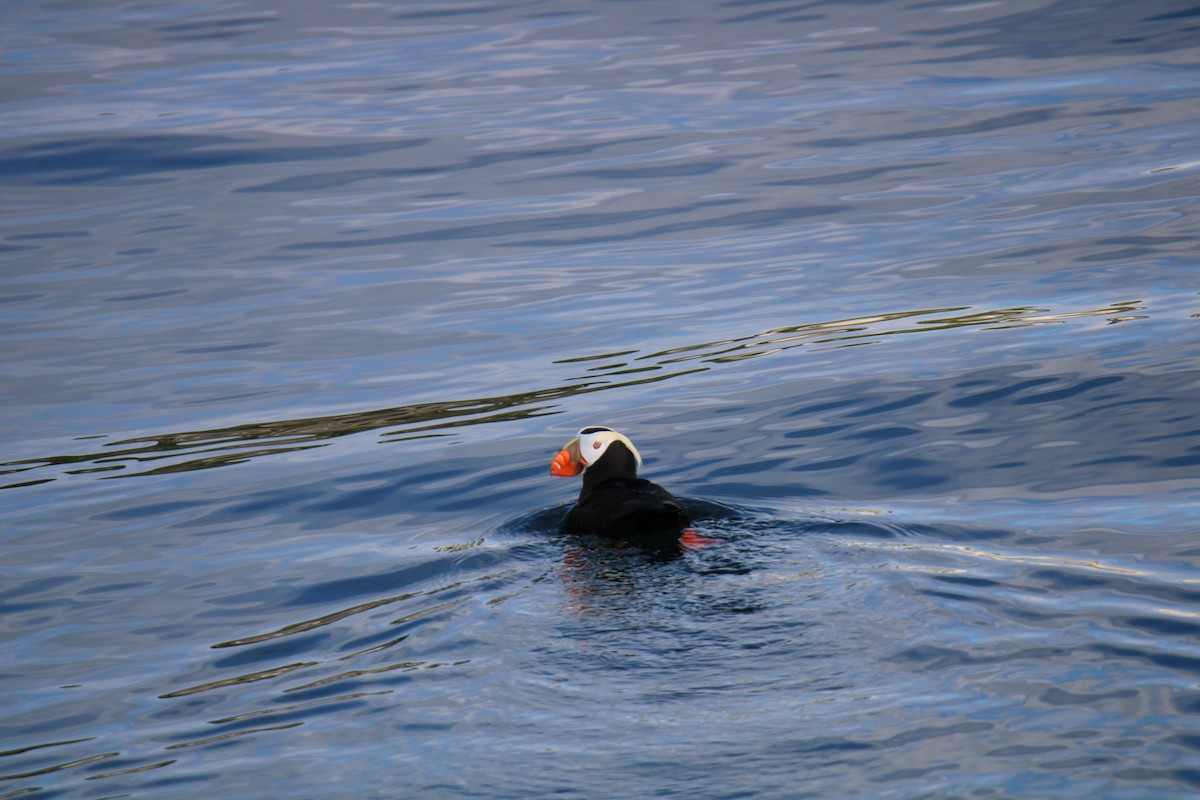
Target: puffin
x=614 y=502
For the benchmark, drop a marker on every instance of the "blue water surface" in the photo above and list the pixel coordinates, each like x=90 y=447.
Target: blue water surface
x=298 y=301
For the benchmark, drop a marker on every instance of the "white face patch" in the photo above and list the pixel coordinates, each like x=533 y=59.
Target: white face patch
x=594 y=441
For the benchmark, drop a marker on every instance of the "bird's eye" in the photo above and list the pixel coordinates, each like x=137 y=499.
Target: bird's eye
x=595 y=445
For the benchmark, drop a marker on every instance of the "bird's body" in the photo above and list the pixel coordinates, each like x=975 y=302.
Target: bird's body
x=625 y=507
x=614 y=501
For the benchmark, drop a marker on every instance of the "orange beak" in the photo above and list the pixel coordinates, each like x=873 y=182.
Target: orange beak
x=567 y=463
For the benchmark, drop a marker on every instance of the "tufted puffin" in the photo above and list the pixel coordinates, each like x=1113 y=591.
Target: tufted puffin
x=614 y=501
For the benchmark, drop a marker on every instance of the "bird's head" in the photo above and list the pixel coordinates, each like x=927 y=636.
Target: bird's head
x=586 y=449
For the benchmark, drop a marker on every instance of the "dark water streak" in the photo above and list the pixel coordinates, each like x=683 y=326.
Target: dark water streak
x=241 y=443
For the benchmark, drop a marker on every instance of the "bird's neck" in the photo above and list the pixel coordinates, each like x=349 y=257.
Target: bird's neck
x=617 y=462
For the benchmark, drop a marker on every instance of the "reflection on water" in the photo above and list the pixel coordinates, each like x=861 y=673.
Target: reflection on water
x=867 y=330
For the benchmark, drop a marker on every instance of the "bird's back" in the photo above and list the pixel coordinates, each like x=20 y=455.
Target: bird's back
x=627 y=507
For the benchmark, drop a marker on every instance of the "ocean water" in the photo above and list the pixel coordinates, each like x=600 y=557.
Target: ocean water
x=297 y=302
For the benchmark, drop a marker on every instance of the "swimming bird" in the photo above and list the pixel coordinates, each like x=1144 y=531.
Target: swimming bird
x=614 y=501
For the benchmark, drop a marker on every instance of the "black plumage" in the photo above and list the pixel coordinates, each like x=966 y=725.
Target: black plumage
x=615 y=502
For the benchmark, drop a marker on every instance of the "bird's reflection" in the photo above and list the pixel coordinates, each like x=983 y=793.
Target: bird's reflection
x=603 y=574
